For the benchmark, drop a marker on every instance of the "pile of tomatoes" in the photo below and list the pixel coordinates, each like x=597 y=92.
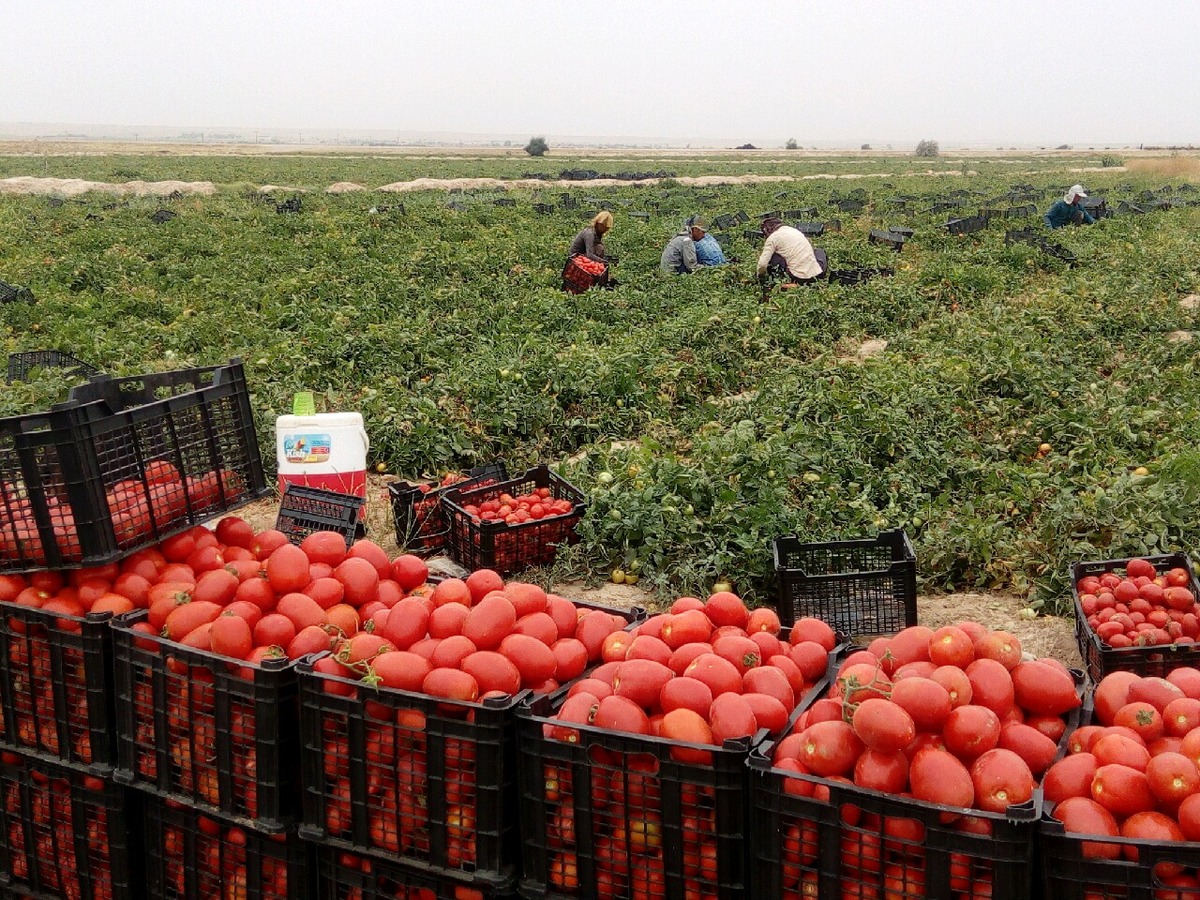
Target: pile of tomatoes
x=423 y=524
x=44 y=848
x=196 y=856
x=1142 y=608
x=704 y=673
x=1133 y=773
x=955 y=717
x=507 y=532
x=460 y=641
x=137 y=507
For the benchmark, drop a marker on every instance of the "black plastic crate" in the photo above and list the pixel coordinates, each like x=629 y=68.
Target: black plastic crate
x=863 y=843
x=990 y=212
x=205 y=730
x=189 y=854
x=303 y=510
x=725 y=221
x=850 y=205
x=902 y=230
x=1099 y=659
x=810 y=229
x=966 y=225
x=405 y=777
x=887 y=239
x=606 y=803
x=833 y=224
x=56 y=687
x=753 y=237
x=161 y=216
x=1020 y=212
x=1021 y=236
x=1058 y=251
x=544 y=209
x=66 y=833
x=351 y=876
x=421 y=526
x=857 y=275
x=866 y=586
x=291 y=205
x=478 y=544
x=21 y=364
x=804 y=212
x=504 y=201
x=123 y=464
x=10 y=293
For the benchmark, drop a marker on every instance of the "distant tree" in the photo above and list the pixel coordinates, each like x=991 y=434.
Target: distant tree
x=927 y=149
x=791 y=144
x=537 y=146
x=745 y=147
x=1063 y=147
x=865 y=147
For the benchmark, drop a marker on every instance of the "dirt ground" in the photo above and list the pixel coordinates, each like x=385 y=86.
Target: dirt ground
x=1039 y=635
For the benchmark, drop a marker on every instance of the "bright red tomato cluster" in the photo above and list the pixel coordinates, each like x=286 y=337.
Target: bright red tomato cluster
x=1134 y=773
x=138 y=507
x=699 y=675
x=464 y=641
x=48 y=852
x=1143 y=608
x=537 y=504
x=954 y=717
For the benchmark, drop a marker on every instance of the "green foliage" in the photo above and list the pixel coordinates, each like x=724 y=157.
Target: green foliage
x=537 y=146
x=701 y=419
x=1108 y=161
x=791 y=144
x=926 y=149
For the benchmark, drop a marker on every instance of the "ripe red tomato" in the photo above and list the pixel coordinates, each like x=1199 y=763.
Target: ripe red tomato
x=1122 y=790
x=938 y=777
x=1001 y=779
x=883 y=726
x=829 y=748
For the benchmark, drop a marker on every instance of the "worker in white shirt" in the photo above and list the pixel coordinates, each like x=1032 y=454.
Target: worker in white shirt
x=788 y=252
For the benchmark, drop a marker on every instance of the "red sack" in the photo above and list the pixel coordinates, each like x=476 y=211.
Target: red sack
x=581 y=273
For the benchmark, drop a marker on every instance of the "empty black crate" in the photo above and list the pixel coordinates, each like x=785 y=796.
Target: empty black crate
x=56 y=686
x=479 y=544
x=406 y=777
x=811 y=229
x=123 y=464
x=887 y=239
x=421 y=526
x=351 y=876
x=863 y=843
x=21 y=364
x=190 y=855
x=12 y=292
x=866 y=586
x=966 y=225
x=1099 y=659
x=303 y=510
x=65 y=833
x=208 y=731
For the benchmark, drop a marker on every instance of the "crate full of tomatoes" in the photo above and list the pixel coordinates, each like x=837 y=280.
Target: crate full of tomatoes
x=1122 y=816
x=634 y=779
x=189 y=854
x=421 y=525
x=409 y=729
x=918 y=775
x=206 y=692
x=513 y=524
x=56 y=672
x=343 y=875
x=1137 y=615
x=66 y=833
x=124 y=463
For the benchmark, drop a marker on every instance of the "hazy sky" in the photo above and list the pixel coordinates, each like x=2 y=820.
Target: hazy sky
x=1019 y=71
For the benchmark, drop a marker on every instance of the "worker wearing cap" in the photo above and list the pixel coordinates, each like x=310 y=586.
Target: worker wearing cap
x=1068 y=210
x=708 y=250
x=679 y=256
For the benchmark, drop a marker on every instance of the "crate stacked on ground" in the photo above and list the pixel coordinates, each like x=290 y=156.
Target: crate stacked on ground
x=304 y=510
x=65 y=832
x=860 y=587
x=634 y=779
x=191 y=855
x=343 y=875
x=124 y=463
x=409 y=731
x=56 y=671
x=917 y=776
x=21 y=364
x=421 y=525
x=1122 y=804
x=1136 y=615
x=513 y=524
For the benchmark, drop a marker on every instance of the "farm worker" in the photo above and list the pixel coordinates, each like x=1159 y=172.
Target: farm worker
x=787 y=252
x=1068 y=210
x=679 y=256
x=590 y=241
x=708 y=251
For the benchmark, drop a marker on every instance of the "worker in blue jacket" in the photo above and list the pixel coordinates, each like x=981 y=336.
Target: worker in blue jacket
x=1068 y=210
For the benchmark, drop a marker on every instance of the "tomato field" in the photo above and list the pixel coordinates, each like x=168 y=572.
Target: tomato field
x=1025 y=413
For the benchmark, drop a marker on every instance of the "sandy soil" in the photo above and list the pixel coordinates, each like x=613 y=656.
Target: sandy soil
x=73 y=187
x=1042 y=636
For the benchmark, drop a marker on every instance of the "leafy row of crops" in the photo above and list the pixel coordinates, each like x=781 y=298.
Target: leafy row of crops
x=734 y=418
